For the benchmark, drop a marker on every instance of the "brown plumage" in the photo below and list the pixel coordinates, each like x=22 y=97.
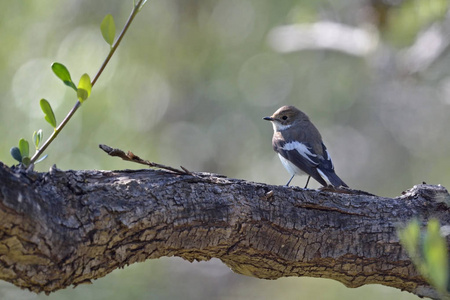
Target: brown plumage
x=300 y=148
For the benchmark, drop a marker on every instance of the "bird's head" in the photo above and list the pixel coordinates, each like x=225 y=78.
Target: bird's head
x=285 y=117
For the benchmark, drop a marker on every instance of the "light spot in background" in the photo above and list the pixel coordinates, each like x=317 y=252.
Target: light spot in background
x=233 y=20
x=83 y=51
x=35 y=80
x=428 y=46
x=151 y=104
x=265 y=80
x=323 y=35
x=151 y=96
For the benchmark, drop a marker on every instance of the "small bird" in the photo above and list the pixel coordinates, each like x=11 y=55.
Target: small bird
x=300 y=148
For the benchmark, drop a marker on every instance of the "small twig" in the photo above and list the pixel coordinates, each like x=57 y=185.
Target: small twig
x=130 y=156
x=186 y=170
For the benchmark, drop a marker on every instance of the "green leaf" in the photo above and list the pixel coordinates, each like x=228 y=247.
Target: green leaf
x=108 y=29
x=48 y=111
x=435 y=252
x=84 y=88
x=41 y=159
x=15 y=153
x=409 y=237
x=24 y=148
x=37 y=137
x=26 y=161
x=40 y=135
x=61 y=71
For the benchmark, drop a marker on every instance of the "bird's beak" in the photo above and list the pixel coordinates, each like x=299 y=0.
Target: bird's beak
x=268 y=118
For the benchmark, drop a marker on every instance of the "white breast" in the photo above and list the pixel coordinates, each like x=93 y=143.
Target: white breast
x=290 y=167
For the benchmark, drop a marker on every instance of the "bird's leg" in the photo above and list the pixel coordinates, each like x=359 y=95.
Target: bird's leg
x=307 y=181
x=287 y=184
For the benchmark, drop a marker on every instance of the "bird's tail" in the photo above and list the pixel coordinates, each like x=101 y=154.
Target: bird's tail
x=331 y=178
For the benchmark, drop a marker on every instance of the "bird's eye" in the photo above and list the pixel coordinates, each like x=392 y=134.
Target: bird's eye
x=284 y=118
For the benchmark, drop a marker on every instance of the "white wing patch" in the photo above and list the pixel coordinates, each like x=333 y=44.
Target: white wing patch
x=302 y=149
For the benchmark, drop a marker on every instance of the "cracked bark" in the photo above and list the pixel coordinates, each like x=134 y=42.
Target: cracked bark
x=65 y=228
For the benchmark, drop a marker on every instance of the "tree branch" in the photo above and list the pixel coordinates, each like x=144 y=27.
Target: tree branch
x=66 y=228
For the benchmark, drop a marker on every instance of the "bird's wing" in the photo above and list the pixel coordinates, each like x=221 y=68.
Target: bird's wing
x=325 y=161
x=301 y=155
x=326 y=169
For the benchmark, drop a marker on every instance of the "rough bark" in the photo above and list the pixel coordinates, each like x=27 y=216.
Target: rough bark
x=66 y=228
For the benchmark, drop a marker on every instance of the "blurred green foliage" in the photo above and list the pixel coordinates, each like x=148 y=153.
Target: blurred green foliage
x=190 y=84
x=429 y=252
x=411 y=16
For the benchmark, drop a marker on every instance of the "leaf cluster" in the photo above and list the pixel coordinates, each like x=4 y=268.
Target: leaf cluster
x=83 y=90
x=428 y=251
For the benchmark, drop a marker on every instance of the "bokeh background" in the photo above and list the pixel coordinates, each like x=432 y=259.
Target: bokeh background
x=190 y=84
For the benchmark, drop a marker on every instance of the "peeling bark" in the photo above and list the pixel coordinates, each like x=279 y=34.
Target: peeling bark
x=66 y=228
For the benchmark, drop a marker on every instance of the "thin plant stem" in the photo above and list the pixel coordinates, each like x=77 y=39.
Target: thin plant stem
x=119 y=39
x=55 y=132
x=100 y=71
